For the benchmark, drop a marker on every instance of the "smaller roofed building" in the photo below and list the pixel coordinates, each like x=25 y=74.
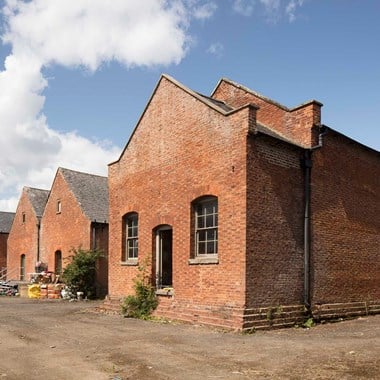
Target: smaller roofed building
x=24 y=244
x=76 y=215
x=6 y=220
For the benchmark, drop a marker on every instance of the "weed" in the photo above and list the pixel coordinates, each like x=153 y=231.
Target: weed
x=144 y=301
x=309 y=323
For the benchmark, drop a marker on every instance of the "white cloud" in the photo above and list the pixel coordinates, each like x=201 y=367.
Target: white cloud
x=204 y=11
x=9 y=204
x=274 y=9
x=292 y=7
x=74 y=33
x=243 y=7
x=216 y=49
x=90 y=32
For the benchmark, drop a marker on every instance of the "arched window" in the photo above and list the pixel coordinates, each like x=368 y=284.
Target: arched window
x=205 y=212
x=130 y=237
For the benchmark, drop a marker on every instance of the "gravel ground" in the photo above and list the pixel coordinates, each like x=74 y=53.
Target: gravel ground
x=69 y=340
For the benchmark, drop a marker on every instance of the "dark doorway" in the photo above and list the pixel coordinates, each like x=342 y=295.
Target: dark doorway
x=58 y=262
x=164 y=257
x=22 y=268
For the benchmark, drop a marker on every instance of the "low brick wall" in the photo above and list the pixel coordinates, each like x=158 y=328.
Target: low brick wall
x=240 y=319
x=345 y=310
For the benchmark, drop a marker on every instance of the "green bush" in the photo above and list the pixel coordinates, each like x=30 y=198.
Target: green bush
x=144 y=301
x=80 y=274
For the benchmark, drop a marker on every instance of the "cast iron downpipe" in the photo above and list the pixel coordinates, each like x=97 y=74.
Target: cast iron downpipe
x=38 y=238
x=94 y=235
x=307 y=164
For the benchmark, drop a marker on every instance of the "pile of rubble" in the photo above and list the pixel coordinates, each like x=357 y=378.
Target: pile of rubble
x=7 y=289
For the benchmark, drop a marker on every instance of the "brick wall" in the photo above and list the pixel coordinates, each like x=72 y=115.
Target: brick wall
x=23 y=239
x=64 y=230
x=3 y=249
x=296 y=124
x=181 y=150
x=345 y=222
x=274 y=223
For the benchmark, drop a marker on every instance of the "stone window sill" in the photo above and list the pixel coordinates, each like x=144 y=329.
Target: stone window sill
x=211 y=259
x=130 y=263
x=168 y=292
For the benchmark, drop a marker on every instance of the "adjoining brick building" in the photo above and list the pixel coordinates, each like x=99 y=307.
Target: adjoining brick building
x=250 y=212
x=24 y=245
x=76 y=215
x=6 y=220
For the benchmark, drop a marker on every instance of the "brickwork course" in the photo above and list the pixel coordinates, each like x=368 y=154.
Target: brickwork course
x=298 y=210
x=49 y=225
x=24 y=237
x=6 y=220
x=76 y=216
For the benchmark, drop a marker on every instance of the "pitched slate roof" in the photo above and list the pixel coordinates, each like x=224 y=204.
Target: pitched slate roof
x=38 y=199
x=91 y=192
x=6 y=220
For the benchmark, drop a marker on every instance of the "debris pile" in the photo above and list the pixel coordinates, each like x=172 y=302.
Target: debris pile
x=7 y=289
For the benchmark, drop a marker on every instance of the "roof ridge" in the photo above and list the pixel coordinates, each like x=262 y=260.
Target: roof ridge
x=35 y=188
x=79 y=172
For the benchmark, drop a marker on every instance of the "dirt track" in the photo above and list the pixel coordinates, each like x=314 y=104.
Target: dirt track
x=61 y=340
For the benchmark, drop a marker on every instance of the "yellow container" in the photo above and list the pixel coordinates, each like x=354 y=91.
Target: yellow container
x=34 y=291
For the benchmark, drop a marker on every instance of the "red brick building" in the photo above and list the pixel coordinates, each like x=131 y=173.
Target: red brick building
x=76 y=215
x=6 y=220
x=24 y=244
x=249 y=212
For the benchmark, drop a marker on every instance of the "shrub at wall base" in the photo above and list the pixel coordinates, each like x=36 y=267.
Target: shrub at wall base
x=80 y=273
x=144 y=301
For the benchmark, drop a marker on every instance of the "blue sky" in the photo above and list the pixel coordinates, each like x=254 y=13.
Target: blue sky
x=81 y=97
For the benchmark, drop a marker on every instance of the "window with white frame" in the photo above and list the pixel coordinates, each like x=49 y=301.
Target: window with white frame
x=131 y=244
x=206 y=226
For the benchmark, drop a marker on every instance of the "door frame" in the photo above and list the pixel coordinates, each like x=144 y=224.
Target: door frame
x=22 y=267
x=158 y=240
